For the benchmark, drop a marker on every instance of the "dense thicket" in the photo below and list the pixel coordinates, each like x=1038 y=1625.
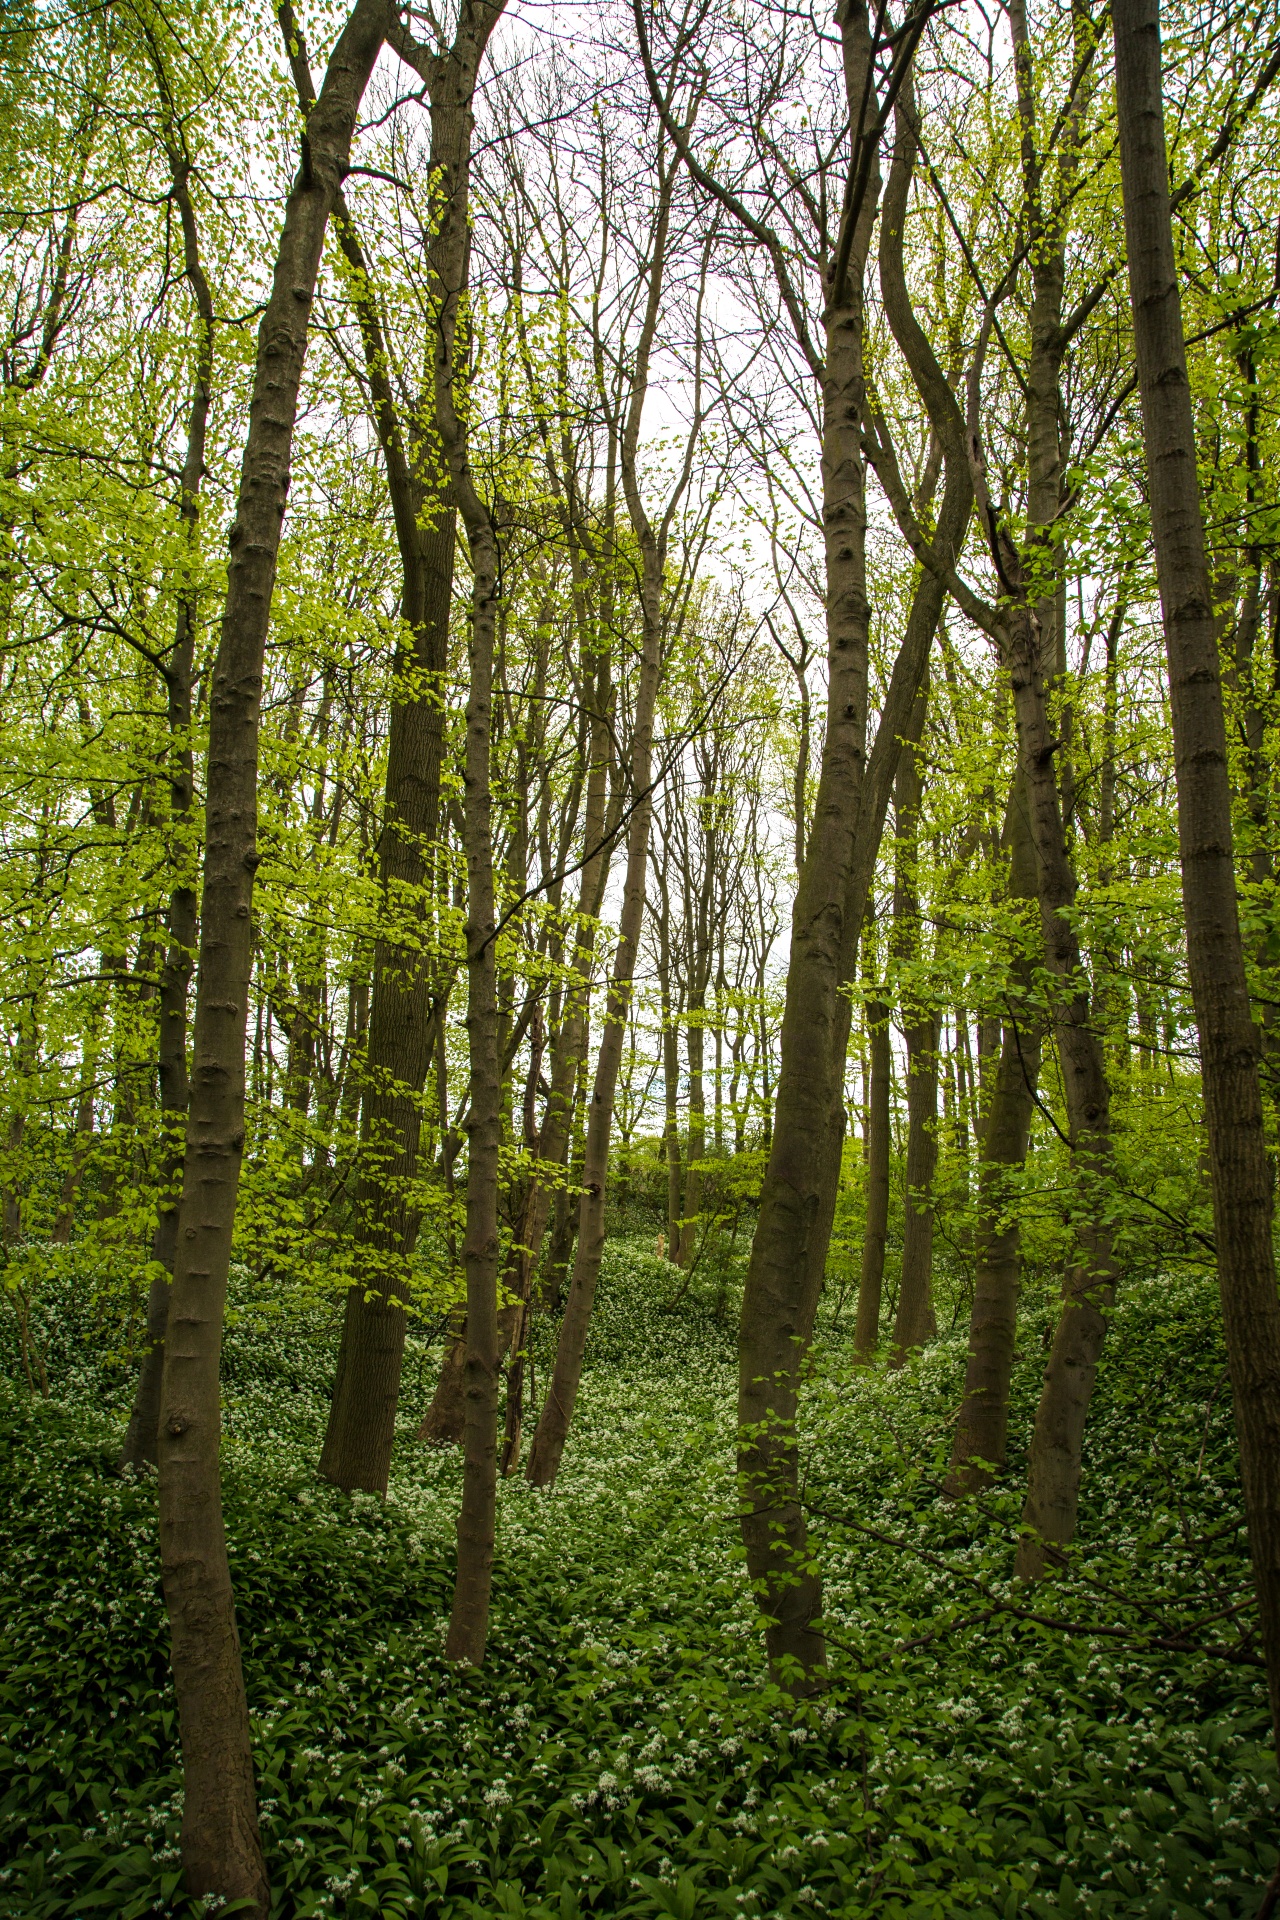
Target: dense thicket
x=657 y=627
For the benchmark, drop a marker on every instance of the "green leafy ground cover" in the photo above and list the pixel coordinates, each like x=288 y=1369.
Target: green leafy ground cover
x=620 y=1753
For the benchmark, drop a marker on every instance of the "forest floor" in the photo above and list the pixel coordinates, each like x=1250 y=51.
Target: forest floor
x=620 y=1752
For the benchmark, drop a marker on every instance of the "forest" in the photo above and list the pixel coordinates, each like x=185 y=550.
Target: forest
x=639 y=959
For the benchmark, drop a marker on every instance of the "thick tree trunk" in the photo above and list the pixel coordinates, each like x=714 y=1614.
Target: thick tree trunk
x=866 y=1336
x=221 y=1850
x=181 y=920
x=1229 y=1039
x=978 y=1448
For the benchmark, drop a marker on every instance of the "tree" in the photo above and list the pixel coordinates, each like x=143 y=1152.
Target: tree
x=221 y=1850
x=1229 y=1038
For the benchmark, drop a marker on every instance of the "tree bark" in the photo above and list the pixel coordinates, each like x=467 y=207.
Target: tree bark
x=1229 y=1039
x=221 y=1850
x=1053 y=1479
x=444 y=1421
x=701 y=951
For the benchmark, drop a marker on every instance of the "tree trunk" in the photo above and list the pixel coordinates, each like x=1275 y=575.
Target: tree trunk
x=785 y=1268
x=469 y=1618
x=698 y=920
x=452 y=85
x=978 y=1448
x=798 y=1196
x=443 y=1423
x=693 y=1037
x=915 y=1322
x=1229 y=1041
x=670 y=1079
x=866 y=1336
x=557 y=1412
x=403 y=1012
x=1032 y=647
x=568 y=1051
x=221 y=1850
x=1053 y=1480
x=182 y=924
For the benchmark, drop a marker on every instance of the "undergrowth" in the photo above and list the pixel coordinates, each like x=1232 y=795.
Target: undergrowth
x=620 y=1753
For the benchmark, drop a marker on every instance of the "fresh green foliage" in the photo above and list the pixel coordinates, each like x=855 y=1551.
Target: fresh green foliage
x=620 y=1752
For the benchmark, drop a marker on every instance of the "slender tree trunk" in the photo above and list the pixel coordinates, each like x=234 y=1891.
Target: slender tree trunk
x=798 y=1196
x=915 y=1322
x=698 y=919
x=140 y=1441
x=981 y=1431
x=221 y=1850
x=1053 y=1479
x=403 y=1011
x=866 y=1336
x=785 y=1268
x=451 y=80
x=1229 y=1040
x=1031 y=645
x=568 y=1053
x=670 y=1082
x=81 y=1145
x=557 y=1412
x=690 y=1232
x=469 y=1618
